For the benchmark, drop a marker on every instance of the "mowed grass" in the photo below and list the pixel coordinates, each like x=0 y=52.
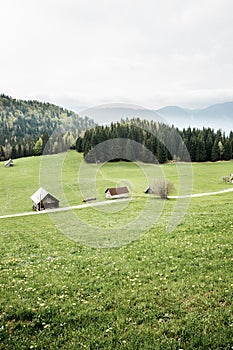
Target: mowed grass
x=163 y=291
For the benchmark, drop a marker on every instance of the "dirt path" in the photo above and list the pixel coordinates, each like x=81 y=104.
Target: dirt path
x=203 y=194
x=80 y=206
x=88 y=205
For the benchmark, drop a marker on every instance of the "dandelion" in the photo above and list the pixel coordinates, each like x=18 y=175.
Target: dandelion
x=108 y=330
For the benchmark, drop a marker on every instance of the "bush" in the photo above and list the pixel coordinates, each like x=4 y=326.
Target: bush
x=163 y=188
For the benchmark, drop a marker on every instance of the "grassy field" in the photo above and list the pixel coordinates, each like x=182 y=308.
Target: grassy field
x=163 y=291
x=61 y=175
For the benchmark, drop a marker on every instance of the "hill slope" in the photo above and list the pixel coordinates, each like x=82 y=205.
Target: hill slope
x=23 y=123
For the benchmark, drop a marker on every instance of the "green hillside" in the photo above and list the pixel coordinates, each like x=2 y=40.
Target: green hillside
x=75 y=176
x=23 y=123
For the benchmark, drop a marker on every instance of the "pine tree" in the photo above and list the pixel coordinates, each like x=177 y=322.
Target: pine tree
x=45 y=139
x=221 y=149
x=2 y=153
x=192 y=149
x=79 y=144
x=14 y=153
x=182 y=153
x=215 y=152
x=200 y=150
x=162 y=153
x=209 y=146
x=227 y=155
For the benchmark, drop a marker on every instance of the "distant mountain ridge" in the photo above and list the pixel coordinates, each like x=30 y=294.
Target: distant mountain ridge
x=216 y=116
x=105 y=114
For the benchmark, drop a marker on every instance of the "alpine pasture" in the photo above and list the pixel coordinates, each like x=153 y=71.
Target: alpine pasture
x=162 y=291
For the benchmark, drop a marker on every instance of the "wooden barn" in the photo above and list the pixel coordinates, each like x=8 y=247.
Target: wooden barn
x=118 y=192
x=44 y=200
x=9 y=163
x=149 y=190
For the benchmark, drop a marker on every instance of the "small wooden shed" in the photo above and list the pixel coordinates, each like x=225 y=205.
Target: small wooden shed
x=42 y=200
x=118 y=192
x=231 y=178
x=149 y=190
x=9 y=163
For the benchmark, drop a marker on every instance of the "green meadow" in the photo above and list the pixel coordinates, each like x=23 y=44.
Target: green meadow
x=149 y=289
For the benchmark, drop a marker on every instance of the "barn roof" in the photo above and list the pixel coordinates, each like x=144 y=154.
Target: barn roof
x=118 y=190
x=149 y=189
x=39 y=195
x=9 y=163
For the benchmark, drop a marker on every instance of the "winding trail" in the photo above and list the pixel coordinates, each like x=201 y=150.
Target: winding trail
x=80 y=206
x=88 y=205
x=203 y=194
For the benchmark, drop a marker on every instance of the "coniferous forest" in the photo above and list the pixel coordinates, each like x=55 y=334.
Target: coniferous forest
x=25 y=127
x=165 y=142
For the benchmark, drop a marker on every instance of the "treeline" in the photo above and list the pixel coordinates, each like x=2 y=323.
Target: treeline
x=164 y=143
x=26 y=126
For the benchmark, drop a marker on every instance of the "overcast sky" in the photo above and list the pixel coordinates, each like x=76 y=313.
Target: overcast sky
x=146 y=52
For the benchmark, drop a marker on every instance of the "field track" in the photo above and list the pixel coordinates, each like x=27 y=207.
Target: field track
x=81 y=206
x=203 y=194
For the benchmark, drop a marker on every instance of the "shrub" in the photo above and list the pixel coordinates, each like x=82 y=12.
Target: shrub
x=163 y=188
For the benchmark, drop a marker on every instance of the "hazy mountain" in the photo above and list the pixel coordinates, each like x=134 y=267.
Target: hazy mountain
x=170 y=111
x=177 y=116
x=105 y=114
x=217 y=116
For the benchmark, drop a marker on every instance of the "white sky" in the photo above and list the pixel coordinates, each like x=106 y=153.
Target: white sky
x=147 y=52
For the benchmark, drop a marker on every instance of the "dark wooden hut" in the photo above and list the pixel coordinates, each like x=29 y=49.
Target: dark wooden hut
x=9 y=163
x=44 y=200
x=149 y=190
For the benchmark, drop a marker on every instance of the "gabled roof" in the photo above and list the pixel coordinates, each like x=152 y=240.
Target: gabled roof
x=39 y=195
x=149 y=190
x=9 y=163
x=116 y=191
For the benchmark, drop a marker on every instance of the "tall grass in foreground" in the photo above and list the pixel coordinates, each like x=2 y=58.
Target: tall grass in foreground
x=164 y=291
x=161 y=291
